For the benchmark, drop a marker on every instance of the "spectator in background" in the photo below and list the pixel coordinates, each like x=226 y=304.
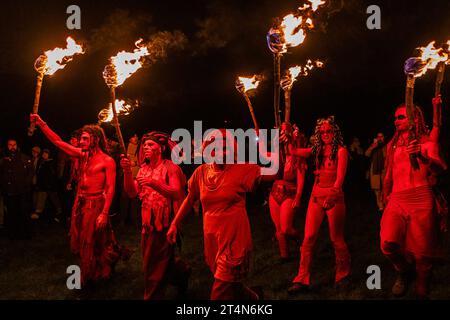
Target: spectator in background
x=47 y=186
x=35 y=156
x=377 y=155
x=357 y=166
x=16 y=173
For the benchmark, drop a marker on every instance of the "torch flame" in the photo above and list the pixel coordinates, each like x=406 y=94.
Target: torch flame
x=296 y=71
x=56 y=59
x=122 y=109
x=430 y=57
x=294 y=35
x=249 y=83
x=124 y=64
x=314 y=5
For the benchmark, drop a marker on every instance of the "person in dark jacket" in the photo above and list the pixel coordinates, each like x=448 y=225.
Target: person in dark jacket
x=47 y=186
x=16 y=174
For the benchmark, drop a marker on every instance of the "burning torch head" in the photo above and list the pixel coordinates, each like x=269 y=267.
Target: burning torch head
x=110 y=75
x=275 y=41
x=41 y=63
x=414 y=66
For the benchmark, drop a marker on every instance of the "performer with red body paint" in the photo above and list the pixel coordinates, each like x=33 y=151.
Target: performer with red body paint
x=409 y=226
x=327 y=197
x=221 y=189
x=286 y=195
x=91 y=236
x=160 y=185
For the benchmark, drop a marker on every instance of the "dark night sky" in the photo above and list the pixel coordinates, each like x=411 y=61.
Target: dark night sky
x=361 y=83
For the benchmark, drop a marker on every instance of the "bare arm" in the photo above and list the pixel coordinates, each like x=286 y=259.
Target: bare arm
x=437 y=119
x=129 y=184
x=171 y=190
x=110 y=170
x=185 y=208
x=55 y=139
x=430 y=151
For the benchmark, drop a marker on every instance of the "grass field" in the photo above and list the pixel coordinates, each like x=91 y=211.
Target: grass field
x=36 y=269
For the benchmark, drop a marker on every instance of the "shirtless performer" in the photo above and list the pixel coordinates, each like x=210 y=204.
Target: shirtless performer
x=286 y=194
x=409 y=226
x=327 y=197
x=91 y=236
x=160 y=185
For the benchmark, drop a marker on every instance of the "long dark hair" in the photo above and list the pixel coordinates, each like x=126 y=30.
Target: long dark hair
x=317 y=144
x=98 y=137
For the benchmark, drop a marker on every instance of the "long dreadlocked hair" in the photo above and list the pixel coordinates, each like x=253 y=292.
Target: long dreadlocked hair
x=421 y=133
x=98 y=137
x=317 y=144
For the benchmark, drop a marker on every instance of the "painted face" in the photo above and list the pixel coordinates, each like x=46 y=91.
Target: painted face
x=85 y=141
x=151 y=149
x=326 y=133
x=12 y=146
x=401 y=120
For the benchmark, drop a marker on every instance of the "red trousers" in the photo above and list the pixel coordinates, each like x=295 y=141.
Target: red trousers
x=98 y=249
x=160 y=265
x=336 y=221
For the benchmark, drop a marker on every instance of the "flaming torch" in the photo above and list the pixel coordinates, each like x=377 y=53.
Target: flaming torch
x=47 y=64
x=121 y=67
x=243 y=85
x=416 y=67
x=288 y=81
x=291 y=32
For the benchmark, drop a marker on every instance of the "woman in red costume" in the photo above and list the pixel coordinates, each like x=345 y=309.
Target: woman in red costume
x=330 y=157
x=221 y=189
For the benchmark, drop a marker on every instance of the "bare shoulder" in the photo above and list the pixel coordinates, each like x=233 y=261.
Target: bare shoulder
x=108 y=161
x=342 y=151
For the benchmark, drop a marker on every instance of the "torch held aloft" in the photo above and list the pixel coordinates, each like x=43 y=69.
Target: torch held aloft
x=37 y=96
x=409 y=100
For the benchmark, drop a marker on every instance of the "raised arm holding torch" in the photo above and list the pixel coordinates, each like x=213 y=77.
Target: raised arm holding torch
x=47 y=64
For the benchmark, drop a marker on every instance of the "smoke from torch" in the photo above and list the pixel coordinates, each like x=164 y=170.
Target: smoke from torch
x=47 y=64
x=243 y=85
